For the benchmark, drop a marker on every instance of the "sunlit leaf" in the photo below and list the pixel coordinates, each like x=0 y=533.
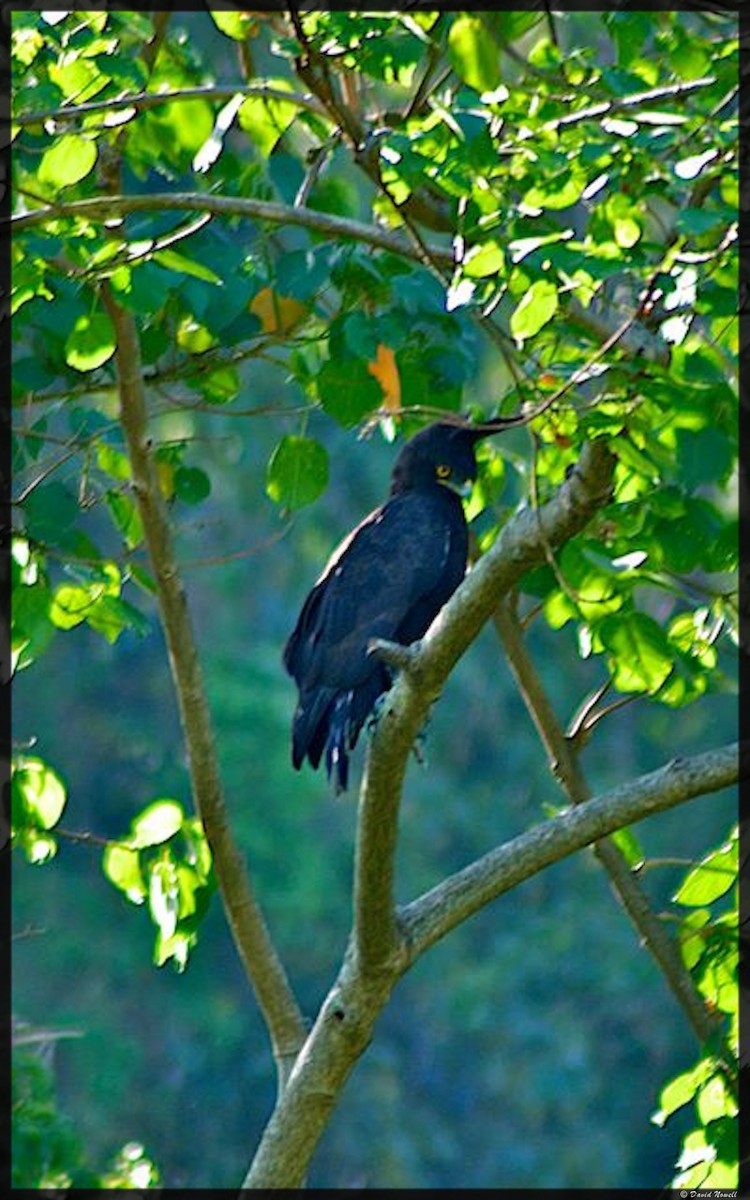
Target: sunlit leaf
x=267 y=119
x=713 y=876
x=72 y=603
x=639 y=653
x=176 y=947
x=236 y=25
x=163 y=896
x=194 y=337
x=90 y=343
x=126 y=517
x=69 y=159
x=39 y=791
x=715 y=1100
x=158 y=822
x=629 y=846
x=693 y=936
x=680 y=1091
x=488 y=259
x=473 y=53
x=39 y=847
x=174 y=261
x=122 y=866
x=536 y=307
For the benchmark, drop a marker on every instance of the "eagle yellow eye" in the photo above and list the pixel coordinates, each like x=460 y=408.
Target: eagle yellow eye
x=443 y=471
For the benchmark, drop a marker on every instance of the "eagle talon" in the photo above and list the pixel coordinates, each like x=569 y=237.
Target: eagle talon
x=371 y=723
x=419 y=749
x=393 y=654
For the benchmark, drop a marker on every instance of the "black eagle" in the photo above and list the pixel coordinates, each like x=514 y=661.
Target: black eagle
x=388 y=579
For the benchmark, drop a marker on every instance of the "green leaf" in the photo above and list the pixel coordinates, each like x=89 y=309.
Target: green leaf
x=561 y=191
x=362 y=334
x=267 y=120
x=693 y=935
x=191 y=484
x=142 y=577
x=634 y=458
x=126 y=518
x=39 y=847
x=122 y=866
x=347 y=391
x=163 y=896
x=715 y=1101
x=482 y=261
x=629 y=846
x=509 y=26
x=473 y=54
x=703 y=456
x=623 y=217
x=177 y=947
x=112 y=461
x=37 y=799
x=38 y=794
x=158 y=822
x=70 y=159
x=220 y=386
x=297 y=472
x=536 y=307
x=90 y=343
x=174 y=261
x=49 y=510
x=32 y=629
x=73 y=603
x=712 y=878
x=112 y=614
x=194 y=337
x=235 y=25
x=718 y=981
x=680 y=1091
x=640 y=656
x=198 y=851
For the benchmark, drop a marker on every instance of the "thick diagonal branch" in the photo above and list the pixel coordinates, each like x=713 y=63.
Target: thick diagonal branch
x=264 y=970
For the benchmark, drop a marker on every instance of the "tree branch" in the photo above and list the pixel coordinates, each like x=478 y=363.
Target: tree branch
x=104 y=209
x=344 y=1025
x=566 y=767
x=440 y=910
x=264 y=970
